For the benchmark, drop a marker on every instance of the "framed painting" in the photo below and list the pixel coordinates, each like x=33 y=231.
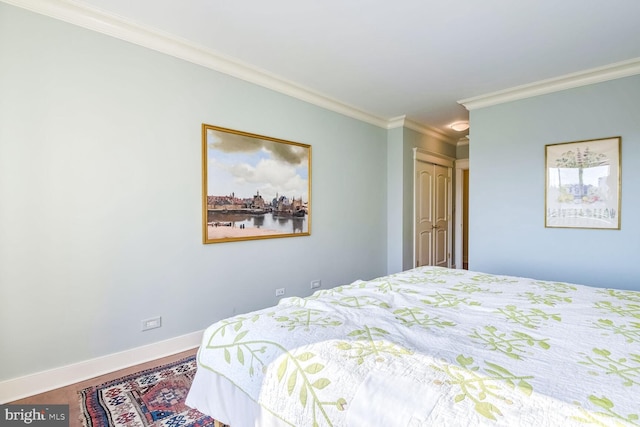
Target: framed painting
x=253 y=186
x=583 y=180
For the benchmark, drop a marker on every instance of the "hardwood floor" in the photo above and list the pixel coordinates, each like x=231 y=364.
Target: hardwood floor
x=69 y=394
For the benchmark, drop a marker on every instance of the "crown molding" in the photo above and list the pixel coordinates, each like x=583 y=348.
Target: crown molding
x=118 y=27
x=402 y=121
x=583 y=78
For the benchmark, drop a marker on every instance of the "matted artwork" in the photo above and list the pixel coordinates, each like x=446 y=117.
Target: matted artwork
x=254 y=186
x=583 y=184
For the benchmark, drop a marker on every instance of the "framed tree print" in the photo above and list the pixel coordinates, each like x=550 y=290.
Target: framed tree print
x=253 y=186
x=583 y=180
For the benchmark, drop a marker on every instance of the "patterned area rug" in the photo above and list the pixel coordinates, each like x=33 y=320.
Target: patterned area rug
x=154 y=397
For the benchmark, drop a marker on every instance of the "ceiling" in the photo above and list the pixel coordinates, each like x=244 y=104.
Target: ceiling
x=413 y=58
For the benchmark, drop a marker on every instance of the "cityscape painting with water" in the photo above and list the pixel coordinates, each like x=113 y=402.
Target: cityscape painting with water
x=253 y=186
x=583 y=184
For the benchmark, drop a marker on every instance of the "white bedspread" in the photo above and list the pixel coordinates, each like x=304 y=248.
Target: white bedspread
x=434 y=346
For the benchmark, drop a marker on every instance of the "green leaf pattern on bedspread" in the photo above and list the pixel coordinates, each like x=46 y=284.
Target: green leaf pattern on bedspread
x=625 y=310
x=605 y=415
x=546 y=299
x=627 y=368
x=512 y=343
x=366 y=345
x=300 y=373
x=440 y=299
x=479 y=385
x=530 y=318
x=360 y=302
x=630 y=331
x=411 y=316
x=494 y=347
x=307 y=318
x=558 y=287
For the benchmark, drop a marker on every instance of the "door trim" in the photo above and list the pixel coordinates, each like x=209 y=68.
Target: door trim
x=461 y=165
x=420 y=155
x=431 y=157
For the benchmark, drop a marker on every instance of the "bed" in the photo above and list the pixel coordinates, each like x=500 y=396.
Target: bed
x=428 y=347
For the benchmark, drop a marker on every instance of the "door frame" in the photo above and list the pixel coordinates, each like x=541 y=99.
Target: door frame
x=420 y=155
x=461 y=166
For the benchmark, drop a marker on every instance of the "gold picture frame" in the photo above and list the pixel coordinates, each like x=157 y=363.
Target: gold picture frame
x=253 y=186
x=583 y=184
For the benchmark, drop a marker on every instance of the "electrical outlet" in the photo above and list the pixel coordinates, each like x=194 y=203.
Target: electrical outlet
x=279 y=292
x=152 y=323
x=315 y=284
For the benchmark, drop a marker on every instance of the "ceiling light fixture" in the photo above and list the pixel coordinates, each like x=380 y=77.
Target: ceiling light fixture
x=459 y=126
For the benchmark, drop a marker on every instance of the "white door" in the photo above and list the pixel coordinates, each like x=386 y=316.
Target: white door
x=432 y=214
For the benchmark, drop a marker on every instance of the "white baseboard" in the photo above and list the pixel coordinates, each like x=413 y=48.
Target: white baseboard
x=39 y=382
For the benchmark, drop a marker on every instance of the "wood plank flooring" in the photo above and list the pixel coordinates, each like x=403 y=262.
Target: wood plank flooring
x=69 y=394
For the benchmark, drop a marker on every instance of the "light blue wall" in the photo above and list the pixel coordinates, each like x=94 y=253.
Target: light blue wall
x=395 y=200
x=462 y=151
x=100 y=196
x=506 y=218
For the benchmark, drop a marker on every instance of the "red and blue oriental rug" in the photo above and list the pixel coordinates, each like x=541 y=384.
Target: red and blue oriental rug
x=154 y=397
